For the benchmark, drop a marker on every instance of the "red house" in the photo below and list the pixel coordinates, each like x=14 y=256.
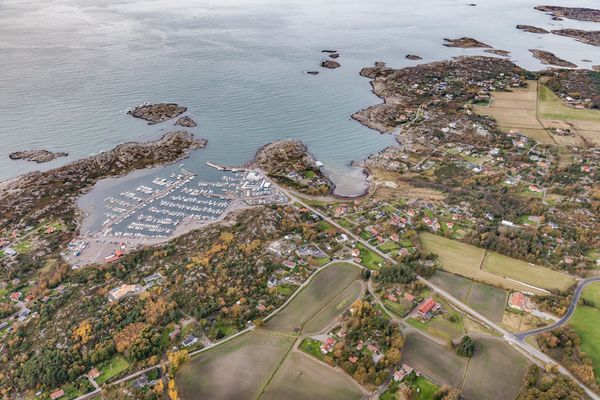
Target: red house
x=426 y=306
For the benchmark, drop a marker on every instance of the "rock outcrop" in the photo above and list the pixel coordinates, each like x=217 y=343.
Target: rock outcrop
x=330 y=64
x=155 y=113
x=186 y=122
x=465 y=43
x=38 y=156
x=549 y=58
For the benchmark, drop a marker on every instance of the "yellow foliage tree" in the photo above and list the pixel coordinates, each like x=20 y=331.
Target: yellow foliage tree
x=177 y=358
x=173 y=390
x=83 y=331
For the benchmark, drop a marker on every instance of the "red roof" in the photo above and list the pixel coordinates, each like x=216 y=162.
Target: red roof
x=426 y=306
x=517 y=299
x=57 y=394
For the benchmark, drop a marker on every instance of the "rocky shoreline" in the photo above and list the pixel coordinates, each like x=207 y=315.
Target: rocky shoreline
x=548 y=58
x=52 y=194
x=577 y=13
x=186 y=122
x=532 y=29
x=587 y=37
x=465 y=43
x=38 y=156
x=156 y=113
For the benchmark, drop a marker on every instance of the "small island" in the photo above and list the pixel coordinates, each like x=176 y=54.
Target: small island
x=465 y=43
x=578 y=13
x=38 y=156
x=330 y=64
x=413 y=57
x=548 y=58
x=498 y=52
x=186 y=122
x=532 y=29
x=155 y=113
x=587 y=37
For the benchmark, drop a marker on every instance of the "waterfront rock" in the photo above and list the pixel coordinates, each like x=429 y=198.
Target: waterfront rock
x=413 y=57
x=328 y=51
x=578 y=13
x=289 y=162
x=52 y=194
x=186 y=122
x=155 y=113
x=38 y=156
x=548 y=58
x=334 y=55
x=532 y=29
x=312 y=72
x=465 y=43
x=502 y=53
x=330 y=64
x=587 y=37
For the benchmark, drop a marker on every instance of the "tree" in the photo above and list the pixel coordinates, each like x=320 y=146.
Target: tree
x=466 y=348
x=172 y=390
x=176 y=358
x=83 y=331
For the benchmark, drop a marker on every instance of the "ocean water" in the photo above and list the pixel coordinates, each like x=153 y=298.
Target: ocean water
x=69 y=69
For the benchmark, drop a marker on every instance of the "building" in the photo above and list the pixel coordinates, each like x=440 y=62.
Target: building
x=519 y=301
x=94 y=373
x=57 y=395
x=189 y=340
x=403 y=372
x=327 y=346
x=427 y=306
x=409 y=297
x=123 y=291
x=153 y=279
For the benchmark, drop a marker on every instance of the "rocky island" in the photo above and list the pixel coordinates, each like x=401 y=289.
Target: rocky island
x=548 y=58
x=330 y=64
x=502 y=53
x=587 y=37
x=578 y=13
x=465 y=43
x=413 y=57
x=38 y=156
x=155 y=113
x=532 y=29
x=186 y=122
x=289 y=162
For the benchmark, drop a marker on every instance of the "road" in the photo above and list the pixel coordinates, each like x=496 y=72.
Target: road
x=533 y=354
x=580 y=286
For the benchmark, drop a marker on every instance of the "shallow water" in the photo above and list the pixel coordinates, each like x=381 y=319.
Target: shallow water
x=69 y=69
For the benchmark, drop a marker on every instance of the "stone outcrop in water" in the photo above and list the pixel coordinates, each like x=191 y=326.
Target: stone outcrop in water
x=28 y=198
x=578 y=13
x=532 y=29
x=413 y=57
x=39 y=156
x=465 y=43
x=330 y=64
x=549 y=58
x=186 y=122
x=587 y=37
x=502 y=53
x=334 y=55
x=289 y=162
x=155 y=113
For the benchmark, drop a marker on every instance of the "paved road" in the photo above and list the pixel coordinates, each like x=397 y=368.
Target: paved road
x=580 y=286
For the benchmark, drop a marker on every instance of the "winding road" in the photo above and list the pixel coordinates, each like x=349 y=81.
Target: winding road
x=576 y=296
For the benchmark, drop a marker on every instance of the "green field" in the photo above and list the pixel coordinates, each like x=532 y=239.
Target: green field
x=401 y=308
x=586 y=322
x=440 y=327
x=495 y=269
x=389 y=246
x=434 y=361
x=238 y=369
x=300 y=377
x=552 y=107
x=488 y=300
x=495 y=371
x=591 y=293
x=112 y=368
x=369 y=258
x=312 y=347
x=323 y=289
x=456 y=285
x=423 y=388
x=333 y=309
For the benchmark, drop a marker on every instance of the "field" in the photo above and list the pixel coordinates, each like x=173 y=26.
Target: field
x=495 y=371
x=586 y=321
x=591 y=293
x=488 y=300
x=370 y=259
x=440 y=326
x=525 y=272
x=300 y=377
x=471 y=262
x=322 y=290
x=434 y=361
x=111 y=368
x=333 y=309
x=456 y=285
x=238 y=369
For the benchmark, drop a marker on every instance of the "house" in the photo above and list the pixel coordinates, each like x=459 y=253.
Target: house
x=57 y=395
x=15 y=296
x=153 y=279
x=373 y=348
x=359 y=346
x=94 y=373
x=355 y=252
x=189 y=340
x=395 y=237
x=353 y=359
x=173 y=334
x=123 y=291
x=409 y=297
x=327 y=346
x=289 y=264
x=272 y=282
x=519 y=301
x=9 y=251
x=393 y=298
x=507 y=223
x=50 y=230
x=427 y=306
x=403 y=372
x=342 y=238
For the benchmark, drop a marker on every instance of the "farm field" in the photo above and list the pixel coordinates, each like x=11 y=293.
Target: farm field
x=333 y=309
x=434 y=361
x=525 y=272
x=300 y=377
x=456 y=285
x=324 y=287
x=468 y=261
x=495 y=371
x=238 y=369
x=488 y=300
x=591 y=293
x=586 y=322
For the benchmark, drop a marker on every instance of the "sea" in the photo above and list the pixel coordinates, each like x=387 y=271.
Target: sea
x=69 y=70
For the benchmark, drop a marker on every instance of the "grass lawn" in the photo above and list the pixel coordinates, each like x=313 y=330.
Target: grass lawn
x=309 y=174
x=586 y=322
x=322 y=289
x=389 y=246
x=286 y=289
x=553 y=107
x=323 y=226
x=401 y=308
x=312 y=347
x=71 y=392
x=423 y=388
x=345 y=223
x=591 y=293
x=320 y=261
x=112 y=368
x=23 y=247
x=370 y=259
x=439 y=327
